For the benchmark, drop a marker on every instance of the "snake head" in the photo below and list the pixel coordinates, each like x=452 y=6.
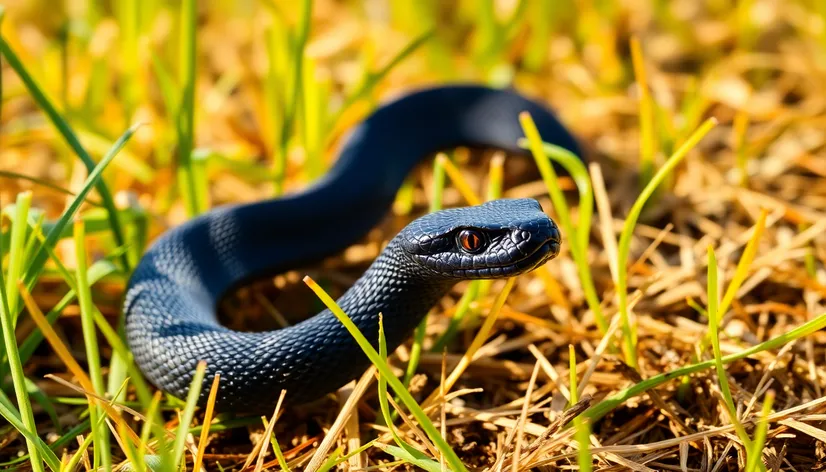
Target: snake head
x=500 y=238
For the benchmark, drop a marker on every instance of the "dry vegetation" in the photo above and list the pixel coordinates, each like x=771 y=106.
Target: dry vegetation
x=633 y=79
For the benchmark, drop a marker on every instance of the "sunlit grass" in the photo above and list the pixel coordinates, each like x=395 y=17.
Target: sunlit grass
x=648 y=143
x=385 y=372
x=8 y=323
x=68 y=135
x=629 y=330
x=580 y=233
x=608 y=404
x=101 y=439
x=93 y=72
x=583 y=430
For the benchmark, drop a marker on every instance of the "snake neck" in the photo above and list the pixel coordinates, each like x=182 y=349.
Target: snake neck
x=393 y=286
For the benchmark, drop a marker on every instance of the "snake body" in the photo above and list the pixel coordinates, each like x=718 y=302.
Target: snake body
x=171 y=298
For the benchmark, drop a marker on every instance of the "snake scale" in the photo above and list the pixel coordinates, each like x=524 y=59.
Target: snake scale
x=171 y=297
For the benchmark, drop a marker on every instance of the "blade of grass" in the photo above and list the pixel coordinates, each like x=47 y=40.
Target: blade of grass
x=42 y=448
x=608 y=404
x=385 y=372
x=147 y=430
x=71 y=139
x=202 y=440
x=334 y=460
x=186 y=113
x=279 y=455
x=583 y=433
x=458 y=180
x=87 y=441
x=259 y=464
x=188 y=413
x=478 y=340
x=740 y=274
x=372 y=79
x=581 y=233
x=7 y=323
x=409 y=453
x=314 y=103
x=17 y=252
x=412 y=457
x=35 y=265
x=97 y=271
x=742 y=270
x=102 y=450
x=648 y=145
x=300 y=43
x=713 y=327
x=755 y=463
x=629 y=331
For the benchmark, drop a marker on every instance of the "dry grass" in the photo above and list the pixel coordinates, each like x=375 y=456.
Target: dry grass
x=759 y=69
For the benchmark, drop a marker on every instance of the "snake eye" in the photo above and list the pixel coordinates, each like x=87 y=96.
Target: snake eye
x=471 y=241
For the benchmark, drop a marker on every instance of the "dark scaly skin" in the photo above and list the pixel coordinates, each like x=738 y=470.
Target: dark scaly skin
x=171 y=299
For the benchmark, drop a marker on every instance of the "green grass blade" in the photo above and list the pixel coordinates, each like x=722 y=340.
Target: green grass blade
x=335 y=460
x=71 y=139
x=629 y=331
x=186 y=113
x=713 y=328
x=17 y=251
x=102 y=438
x=374 y=78
x=541 y=152
x=42 y=449
x=45 y=402
x=87 y=441
x=413 y=457
x=38 y=261
x=407 y=450
x=188 y=413
x=7 y=323
x=395 y=383
x=583 y=434
x=97 y=271
x=300 y=43
x=462 y=309
x=605 y=406
x=754 y=462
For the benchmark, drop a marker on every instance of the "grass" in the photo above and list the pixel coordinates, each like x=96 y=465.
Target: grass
x=680 y=327
x=100 y=435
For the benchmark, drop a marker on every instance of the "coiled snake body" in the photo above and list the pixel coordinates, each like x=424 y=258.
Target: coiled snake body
x=170 y=303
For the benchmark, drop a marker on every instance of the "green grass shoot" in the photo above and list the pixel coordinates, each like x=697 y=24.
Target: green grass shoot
x=608 y=404
x=629 y=330
x=580 y=233
x=102 y=439
x=385 y=372
x=585 y=460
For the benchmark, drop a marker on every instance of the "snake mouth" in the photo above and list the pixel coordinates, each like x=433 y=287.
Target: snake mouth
x=545 y=252
x=542 y=254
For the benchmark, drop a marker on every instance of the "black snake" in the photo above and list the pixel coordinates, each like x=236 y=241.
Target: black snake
x=171 y=299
